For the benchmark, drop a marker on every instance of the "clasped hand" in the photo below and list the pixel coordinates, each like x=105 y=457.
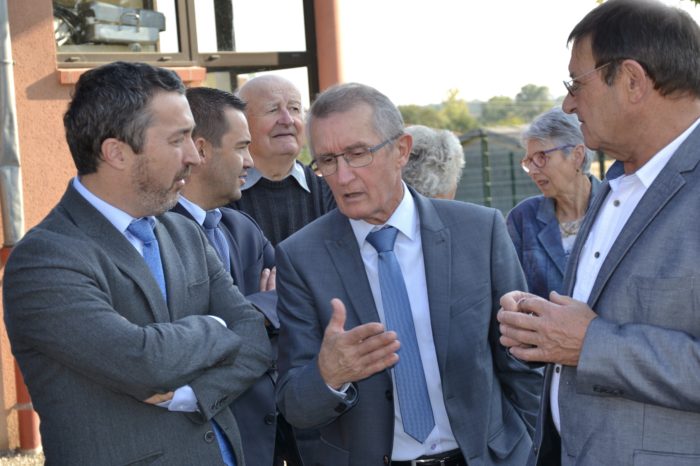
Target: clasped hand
x=534 y=329
x=355 y=354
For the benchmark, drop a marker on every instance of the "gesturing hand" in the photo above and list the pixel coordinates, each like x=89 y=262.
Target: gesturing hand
x=545 y=331
x=355 y=354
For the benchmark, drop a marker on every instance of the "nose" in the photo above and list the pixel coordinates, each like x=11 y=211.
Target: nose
x=285 y=118
x=247 y=159
x=191 y=156
x=569 y=103
x=344 y=173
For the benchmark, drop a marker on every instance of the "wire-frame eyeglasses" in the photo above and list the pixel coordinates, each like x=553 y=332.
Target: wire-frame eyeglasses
x=574 y=84
x=359 y=157
x=539 y=158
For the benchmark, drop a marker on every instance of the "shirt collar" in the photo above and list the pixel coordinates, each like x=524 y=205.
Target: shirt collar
x=403 y=219
x=195 y=211
x=117 y=217
x=297 y=173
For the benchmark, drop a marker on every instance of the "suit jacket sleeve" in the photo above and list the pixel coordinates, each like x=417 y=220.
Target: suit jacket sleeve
x=218 y=386
x=521 y=382
x=302 y=395
x=60 y=306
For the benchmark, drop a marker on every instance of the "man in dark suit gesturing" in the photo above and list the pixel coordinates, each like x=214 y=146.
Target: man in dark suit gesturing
x=131 y=337
x=389 y=342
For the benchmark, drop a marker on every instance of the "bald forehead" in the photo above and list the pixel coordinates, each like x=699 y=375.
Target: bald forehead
x=266 y=86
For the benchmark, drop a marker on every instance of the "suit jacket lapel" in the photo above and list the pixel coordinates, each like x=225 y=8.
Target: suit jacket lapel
x=437 y=252
x=117 y=247
x=234 y=258
x=234 y=248
x=174 y=271
x=346 y=257
x=549 y=236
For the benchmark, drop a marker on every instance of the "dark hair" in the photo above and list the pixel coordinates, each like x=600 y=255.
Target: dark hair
x=664 y=40
x=388 y=121
x=111 y=101
x=208 y=105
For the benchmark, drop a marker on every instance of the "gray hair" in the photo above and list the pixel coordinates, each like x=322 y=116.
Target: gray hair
x=560 y=128
x=436 y=162
x=387 y=119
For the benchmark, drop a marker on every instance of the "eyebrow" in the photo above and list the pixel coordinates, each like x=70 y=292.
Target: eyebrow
x=357 y=145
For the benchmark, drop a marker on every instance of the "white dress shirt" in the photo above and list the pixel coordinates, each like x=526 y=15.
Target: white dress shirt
x=625 y=193
x=409 y=252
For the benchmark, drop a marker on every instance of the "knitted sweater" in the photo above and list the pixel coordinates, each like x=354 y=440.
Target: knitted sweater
x=283 y=207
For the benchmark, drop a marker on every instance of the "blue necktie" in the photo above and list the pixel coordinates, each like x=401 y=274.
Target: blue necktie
x=416 y=411
x=218 y=242
x=216 y=237
x=143 y=230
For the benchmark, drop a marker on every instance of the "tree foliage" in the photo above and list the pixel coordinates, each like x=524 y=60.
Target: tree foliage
x=453 y=113
x=531 y=101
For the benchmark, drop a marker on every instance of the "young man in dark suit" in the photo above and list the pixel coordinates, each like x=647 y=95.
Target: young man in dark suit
x=222 y=138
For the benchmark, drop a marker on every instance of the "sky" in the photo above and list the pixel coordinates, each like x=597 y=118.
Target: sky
x=415 y=51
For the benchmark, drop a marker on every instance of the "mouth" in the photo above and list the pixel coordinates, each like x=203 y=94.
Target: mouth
x=181 y=179
x=352 y=196
x=284 y=135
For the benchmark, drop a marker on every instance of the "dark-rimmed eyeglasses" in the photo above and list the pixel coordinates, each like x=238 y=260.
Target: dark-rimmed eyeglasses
x=358 y=157
x=539 y=158
x=574 y=84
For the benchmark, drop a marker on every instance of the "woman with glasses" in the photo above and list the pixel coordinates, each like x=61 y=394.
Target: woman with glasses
x=543 y=228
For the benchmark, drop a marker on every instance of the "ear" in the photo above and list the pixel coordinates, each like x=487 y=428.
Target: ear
x=405 y=144
x=579 y=154
x=203 y=149
x=637 y=82
x=115 y=153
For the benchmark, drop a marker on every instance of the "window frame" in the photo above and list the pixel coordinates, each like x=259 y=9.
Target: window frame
x=233 y=62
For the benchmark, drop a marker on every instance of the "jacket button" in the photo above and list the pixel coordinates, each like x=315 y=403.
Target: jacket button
x=389 y=395
x=340 y=407
x=209 y=436
x=386 y=459
x=269 y=419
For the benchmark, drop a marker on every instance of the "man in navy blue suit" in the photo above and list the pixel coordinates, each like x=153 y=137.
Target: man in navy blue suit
x=222 y=139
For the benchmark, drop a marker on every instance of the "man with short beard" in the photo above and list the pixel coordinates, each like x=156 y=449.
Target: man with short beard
x=128 y=330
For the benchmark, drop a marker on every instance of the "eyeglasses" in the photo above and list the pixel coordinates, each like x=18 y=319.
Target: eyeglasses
x=572 y=86
x=327 y=164
x=539 y=158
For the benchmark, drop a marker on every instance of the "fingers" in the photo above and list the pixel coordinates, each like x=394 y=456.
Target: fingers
x=518 y=336
x=560 y=299
x=337 y=322
x=268 y=279
x=356 y=354
x=517 y=319
x=272 y=279
x=159 y=398
x=528 y=353
x=509 y=301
